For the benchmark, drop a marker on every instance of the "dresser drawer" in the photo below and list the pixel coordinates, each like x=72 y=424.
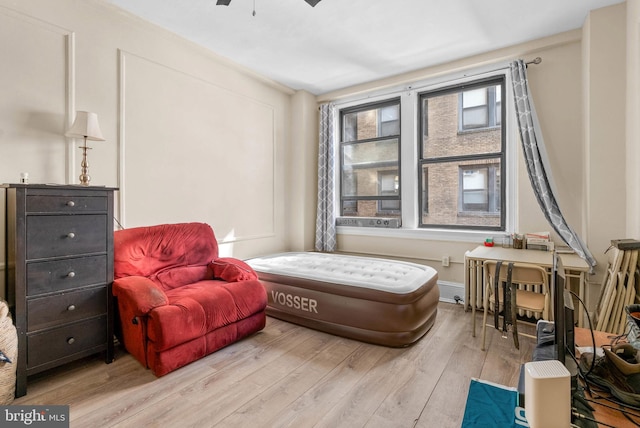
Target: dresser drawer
x=45 y=347
x=58 y=275
x=66 y=204
x=63 y=308
x=65 y=235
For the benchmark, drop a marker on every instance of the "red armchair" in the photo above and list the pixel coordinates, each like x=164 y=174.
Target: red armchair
x=177 y=301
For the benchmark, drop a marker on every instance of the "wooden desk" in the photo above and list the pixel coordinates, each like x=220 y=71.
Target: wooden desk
x=574 y=267
x=601 y=413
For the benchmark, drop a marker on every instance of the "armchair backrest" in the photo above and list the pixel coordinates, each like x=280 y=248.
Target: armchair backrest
x=170 y=254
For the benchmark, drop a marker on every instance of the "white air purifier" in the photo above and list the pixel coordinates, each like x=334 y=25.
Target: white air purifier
x=547 y=394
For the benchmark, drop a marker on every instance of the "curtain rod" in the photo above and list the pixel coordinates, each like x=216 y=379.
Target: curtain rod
x=537 y=60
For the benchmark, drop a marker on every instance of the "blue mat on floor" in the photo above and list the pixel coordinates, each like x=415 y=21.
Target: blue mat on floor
x=492 y=406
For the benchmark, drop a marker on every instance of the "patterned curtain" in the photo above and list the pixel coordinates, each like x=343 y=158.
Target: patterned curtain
x=325 y=217
x=538 y=164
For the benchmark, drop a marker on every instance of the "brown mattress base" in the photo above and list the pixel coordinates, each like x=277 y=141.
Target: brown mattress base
x=373 y=316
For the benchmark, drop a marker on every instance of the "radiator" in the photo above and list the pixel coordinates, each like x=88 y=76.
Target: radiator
x=474 y=277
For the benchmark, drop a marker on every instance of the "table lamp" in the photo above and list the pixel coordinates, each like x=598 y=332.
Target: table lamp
x=85 y=126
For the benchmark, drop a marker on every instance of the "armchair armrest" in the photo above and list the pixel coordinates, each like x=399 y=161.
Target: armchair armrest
x=231 y=269
x=140 y=293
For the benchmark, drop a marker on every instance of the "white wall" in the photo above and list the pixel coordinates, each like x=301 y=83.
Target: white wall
x=189 y=135
x=302 y=172
x=632 y=115
x=604 y=68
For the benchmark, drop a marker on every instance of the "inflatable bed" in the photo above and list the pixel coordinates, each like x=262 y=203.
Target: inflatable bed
x=380 y=301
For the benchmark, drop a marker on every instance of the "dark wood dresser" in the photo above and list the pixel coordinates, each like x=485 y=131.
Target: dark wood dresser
x=59 y=273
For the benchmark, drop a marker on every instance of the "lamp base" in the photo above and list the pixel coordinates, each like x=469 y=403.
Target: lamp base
x=84 y=178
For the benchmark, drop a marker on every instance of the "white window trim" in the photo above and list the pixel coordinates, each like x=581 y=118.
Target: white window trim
x=409 y=156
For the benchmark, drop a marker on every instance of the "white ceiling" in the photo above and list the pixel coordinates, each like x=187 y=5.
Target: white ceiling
x=340 y=43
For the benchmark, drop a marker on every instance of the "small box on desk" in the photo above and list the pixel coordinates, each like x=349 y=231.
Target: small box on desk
x=540 y=245
x=547 y=394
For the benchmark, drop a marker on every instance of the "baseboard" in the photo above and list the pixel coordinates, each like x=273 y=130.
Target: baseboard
x=451 y=292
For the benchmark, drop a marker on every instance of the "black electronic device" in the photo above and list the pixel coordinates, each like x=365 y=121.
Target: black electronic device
x=556 y=339
x=563 y=312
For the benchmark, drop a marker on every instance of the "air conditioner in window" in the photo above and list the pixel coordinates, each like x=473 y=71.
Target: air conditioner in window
x=390 y=223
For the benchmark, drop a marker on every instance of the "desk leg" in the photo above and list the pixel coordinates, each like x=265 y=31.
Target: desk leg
x=584 y=299
x=474 y=277
x=467 y=286
x=472 y=293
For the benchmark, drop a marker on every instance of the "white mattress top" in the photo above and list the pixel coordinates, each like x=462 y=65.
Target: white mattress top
x=377 y=274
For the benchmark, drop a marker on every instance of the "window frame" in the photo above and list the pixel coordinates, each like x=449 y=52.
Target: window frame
x=339 y=152
x=410 y=130
x=424 y=162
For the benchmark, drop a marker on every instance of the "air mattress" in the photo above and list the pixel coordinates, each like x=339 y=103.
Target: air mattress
x=381 y=301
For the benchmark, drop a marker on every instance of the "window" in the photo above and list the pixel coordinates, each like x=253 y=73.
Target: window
x=369 y=160
x=452 y=134
x=389 y=186
x=463 y=186
x=480 y=189
x=350 y=206
x=389 y=121
x=480 y=108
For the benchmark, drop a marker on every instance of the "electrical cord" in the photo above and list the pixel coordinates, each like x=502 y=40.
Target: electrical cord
x=593 y=339
x=623 y=407
x=614 y=401
x=626 y=415
x=578 y=415
x=119 y=225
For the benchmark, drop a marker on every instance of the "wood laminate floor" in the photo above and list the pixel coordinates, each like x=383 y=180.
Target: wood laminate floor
x=291 y=376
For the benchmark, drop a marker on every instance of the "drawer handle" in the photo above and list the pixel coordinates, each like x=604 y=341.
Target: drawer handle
x=71 y=235
x=71 y=308
x=71 y=340
x=71 y=204
x=71 y=274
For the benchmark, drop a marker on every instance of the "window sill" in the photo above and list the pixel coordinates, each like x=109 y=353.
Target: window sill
x=422 y=234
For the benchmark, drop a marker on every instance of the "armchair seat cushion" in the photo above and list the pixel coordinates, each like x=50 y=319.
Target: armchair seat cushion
x=196 y=309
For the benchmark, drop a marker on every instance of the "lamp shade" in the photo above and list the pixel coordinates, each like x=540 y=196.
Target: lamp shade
x=85 y=126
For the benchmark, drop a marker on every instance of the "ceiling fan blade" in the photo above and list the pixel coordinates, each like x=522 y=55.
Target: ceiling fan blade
x=313 y=3
x=223 y=2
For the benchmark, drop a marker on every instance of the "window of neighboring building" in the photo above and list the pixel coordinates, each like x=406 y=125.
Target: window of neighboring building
x=370 y=160
x=389 y=120
x=480 y=108
x=463 y=188
x=349 y=206
x=479 y=189
x=389 y=185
